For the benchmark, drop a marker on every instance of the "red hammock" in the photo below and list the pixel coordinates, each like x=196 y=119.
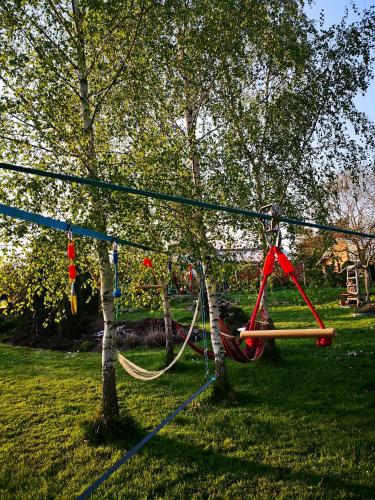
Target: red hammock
x=230 y=343
x=199 y=350
x=233 y=349
x=255 y=347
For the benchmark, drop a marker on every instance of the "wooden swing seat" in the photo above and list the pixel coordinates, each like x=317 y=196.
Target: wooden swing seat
x=289 y=334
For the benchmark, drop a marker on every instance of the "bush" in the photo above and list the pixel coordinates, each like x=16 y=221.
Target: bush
x=155 y=336
x=88 y=345
x=148 y=332
x=130 y=341
x=233 y=315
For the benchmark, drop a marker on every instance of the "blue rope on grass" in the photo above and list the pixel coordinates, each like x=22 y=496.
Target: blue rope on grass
x=141 y=443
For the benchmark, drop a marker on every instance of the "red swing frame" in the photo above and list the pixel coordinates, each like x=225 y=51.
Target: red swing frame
x=288 y=268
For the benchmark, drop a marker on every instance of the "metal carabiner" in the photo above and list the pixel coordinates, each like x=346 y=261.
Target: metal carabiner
x=272 y=226
x=69 y=232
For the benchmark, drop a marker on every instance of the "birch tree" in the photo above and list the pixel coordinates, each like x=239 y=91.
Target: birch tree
x=287 y=120
x=354 y=208
x=60 y=62
x=147 y=286
x=212 y=59
x=236 y=102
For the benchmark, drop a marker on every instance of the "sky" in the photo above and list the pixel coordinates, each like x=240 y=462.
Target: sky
x=333 y=12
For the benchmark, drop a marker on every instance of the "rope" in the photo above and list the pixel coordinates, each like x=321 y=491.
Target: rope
x=180 y=199
x=227 y=335
x=41 y=220
x=141 y=443
x=116 y=291
x=203 y=317
x=143 y=374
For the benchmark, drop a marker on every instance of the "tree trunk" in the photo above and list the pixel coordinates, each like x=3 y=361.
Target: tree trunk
x=264 y=305
x=190 y=124
x=109 y=407
x=169 y=353
x=270 y=351
x=217 y=346
x=367 y=279
x=270 y=347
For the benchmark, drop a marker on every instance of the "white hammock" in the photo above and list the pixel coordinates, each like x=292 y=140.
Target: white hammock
x=142 y=374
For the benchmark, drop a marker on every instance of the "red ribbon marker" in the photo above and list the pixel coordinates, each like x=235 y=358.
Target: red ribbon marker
x=72 y=274
x=147 y=262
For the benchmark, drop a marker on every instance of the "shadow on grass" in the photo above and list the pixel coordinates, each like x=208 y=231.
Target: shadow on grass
x=122 y=432
x=196 y=463
x=166 y=448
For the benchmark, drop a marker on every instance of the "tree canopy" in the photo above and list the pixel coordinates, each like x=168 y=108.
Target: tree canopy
x=238 y=101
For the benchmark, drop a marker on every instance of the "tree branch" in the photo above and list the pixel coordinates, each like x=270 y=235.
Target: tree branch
x=122 y=66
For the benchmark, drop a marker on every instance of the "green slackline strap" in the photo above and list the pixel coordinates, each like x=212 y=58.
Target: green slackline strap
x=41 y=220
x=178 y=199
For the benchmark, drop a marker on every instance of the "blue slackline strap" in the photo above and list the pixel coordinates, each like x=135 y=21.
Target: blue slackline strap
x=41 y=220
x=141 y=443
x=177 y=199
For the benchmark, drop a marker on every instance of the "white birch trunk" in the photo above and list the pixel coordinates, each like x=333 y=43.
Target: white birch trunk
x=264 y=304
x=217 y=346
x=169 y=354
x=109 y=407
x=270 y=346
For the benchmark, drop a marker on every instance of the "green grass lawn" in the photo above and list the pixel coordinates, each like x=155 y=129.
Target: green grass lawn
x=300 y=429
